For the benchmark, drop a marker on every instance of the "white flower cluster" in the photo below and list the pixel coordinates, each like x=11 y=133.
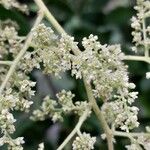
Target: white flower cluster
x=15 y=96
x=14 y=144
x=41 y=146
x=132 y=147
x=84 y=142
x=9 y=102
x=119 y=111
x=25 y=87
x=51 y=53
x=10 y=41
x=20 y=89
x=8 y=4
x=101 y=66
x=13 y=100
x=51 y=108
x=148 y=75
x=7 y=121
x=139 y=24
x=65 y=99
x=144 y=141
x=140 y=141
x=121 y=115
x=47 y=109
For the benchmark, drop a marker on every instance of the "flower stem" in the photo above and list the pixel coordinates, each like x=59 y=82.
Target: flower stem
x=75 y=130
x=145 y=38
x=49 y=16
x=6 y=63
x=99 y=115
x=137 y=58
x=125 y=134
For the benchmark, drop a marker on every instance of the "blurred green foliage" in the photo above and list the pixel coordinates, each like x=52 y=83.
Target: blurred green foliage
x=110 y=20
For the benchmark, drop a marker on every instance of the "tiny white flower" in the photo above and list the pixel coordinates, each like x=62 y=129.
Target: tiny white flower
x=148 y=75
x=41 y=146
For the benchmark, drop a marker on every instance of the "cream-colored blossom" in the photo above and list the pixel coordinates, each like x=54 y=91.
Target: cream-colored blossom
x=8 y=4
x=148 y=75
x=84 y=142
x=41 y=146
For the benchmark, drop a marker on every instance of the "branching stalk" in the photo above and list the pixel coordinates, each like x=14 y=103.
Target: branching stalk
x=137 y=58
x=125 y=134
x=99 y=115
x=6 y=63
x=49 y=16
x=131 y=136
x=145 y=38
x=75 y=130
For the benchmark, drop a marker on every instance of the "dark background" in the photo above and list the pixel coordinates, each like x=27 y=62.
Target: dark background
x=110 y=20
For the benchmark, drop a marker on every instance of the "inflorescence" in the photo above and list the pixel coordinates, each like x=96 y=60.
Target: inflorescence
x=101 y=66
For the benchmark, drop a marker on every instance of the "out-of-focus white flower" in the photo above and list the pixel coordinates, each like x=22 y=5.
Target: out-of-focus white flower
x=41 y=146
x=148 y=75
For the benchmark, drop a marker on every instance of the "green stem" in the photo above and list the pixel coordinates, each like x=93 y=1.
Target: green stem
x=49 y=16
x=21 y=53
x=75 y=130
x=137 y=58
x=6 y=63
x=99 y=115
x=145 y=38
x=131 y=136
x=125 y=134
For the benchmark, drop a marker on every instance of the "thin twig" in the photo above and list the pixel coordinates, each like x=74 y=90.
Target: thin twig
x=75 y=130
x=49 y=16
x=99 y=115
x=145 y=38
x=131 y=136
x=125 y=134
x=6 y=63
x=137 y=58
